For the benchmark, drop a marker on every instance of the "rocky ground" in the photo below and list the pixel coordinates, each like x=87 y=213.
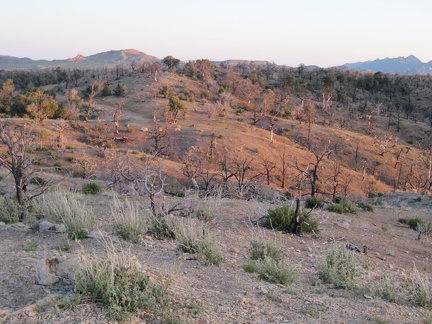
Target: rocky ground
x=227 y=293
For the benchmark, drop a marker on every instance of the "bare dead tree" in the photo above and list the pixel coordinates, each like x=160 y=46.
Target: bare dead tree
x=16 y=140
x=87 y=166
x=117 y=113
x=268 y=167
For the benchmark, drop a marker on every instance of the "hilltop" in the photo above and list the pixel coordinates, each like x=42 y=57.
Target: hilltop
x=213 y=147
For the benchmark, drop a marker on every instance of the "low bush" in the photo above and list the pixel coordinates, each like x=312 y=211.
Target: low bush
x=341 y=206
x=339 y=268
x=10 y=210
x=314 y=202
x=413 y=223
x=275 y=271
x=161 y=227
x=37 y=181
x=365 y=206
x=91 y=188
x=262 y=249
x=280 y=218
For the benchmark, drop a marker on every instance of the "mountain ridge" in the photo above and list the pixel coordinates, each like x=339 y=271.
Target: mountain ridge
x=399 y=65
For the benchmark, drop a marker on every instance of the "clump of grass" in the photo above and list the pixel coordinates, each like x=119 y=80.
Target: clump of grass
x=91 y=188
x=129 y=220
x=280 y=218
x=10 y=210
x=70 y=209
x=339 y=268
x=314 y=202
x=419 y=290
x=30 y=246
x=341 y=206
x=193 y=238
x=119 y=282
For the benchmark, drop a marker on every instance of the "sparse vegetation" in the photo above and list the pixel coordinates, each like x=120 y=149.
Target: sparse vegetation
x=129 y=220
x=70 y=209
x=10 y=210
x=194 y=238
x=91 y=188
x=339 y=268
x=314 y=202
x=341 y=206
x=120 y=283
x=281 y=219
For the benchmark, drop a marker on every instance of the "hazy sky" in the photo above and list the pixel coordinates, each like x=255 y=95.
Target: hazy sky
x=320 y=32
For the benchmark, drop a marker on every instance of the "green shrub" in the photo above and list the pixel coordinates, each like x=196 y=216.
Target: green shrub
x=161 y=227
x=70 y=209
x=129 y=220
x=38 y=181
x=280 y=218
x=339 y=268
x=419 y=290
x=314 y=202
x=262 y=249
x=10 y=210
x=413 y=223
x=341 y=206
x=119 y=282
x=91 y=188
x=250 y=266
x=275 y=271
x=365 y=206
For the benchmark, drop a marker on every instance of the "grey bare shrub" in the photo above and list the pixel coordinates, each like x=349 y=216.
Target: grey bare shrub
x=68 y=208
x=339 y=268
x=129 y=219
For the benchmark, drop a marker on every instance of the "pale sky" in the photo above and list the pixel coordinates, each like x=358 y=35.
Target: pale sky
x=314 y=32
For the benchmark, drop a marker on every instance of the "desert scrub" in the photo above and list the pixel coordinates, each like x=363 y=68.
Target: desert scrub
x=260 y=249
x=314 y=202
x=365 y=206
x=275 y=271
x=119 y=282
x=339 y=268
x=419 y=290
x=129 y=220
x=161 y=226
x=341 y=206
x=91 y=188
x=413 y=223
x=10 y=210
x=280 y=218
x=70 y=209
x=193 y=237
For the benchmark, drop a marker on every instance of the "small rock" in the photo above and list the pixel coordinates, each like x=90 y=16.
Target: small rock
x=309 y=249
x=66 y=269
x=59 y=228
x=97 y=234
x=45 y=272
x=45 y=226
x=367 y=296
x=234 y=250
x=2 y=224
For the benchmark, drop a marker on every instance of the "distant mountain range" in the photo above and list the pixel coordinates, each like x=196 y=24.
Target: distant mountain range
x=109 y=58
x=399 y=65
